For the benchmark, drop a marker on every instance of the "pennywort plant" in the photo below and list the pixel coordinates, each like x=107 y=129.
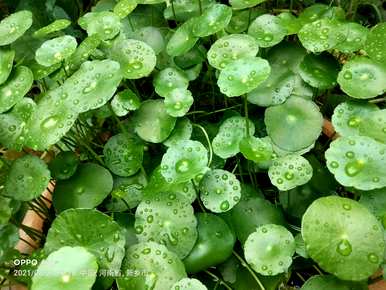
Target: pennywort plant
x=192 y=144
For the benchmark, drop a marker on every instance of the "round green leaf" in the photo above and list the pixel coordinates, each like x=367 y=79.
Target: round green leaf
x=125 y=101
x=269 y=249
x=67 y=268
x=64 y=165
x=167 y=218
x=214 y=18
x=326 y=282
x=82 y=52
x=242 y=4
x=294 y=125
x=87 y=188
x=226 y=143
x=178 y=102
x=230 y=48
x=256 y=149
x=290 y=22
x=182 y=39
x=124 y=7
x=319 y=71
x=152 y=123
x=362 y=78
x=220 y=190
x=123 y=154
x=168 y=79
x=14 y=26
x=184 y=161
x=55 y=26
x=188 y=284
x=6 y=62
x=11 y=128
x=243 y=75
x=357 y=161
x=27 y=178
x=290 y=171
x=55 y=50
x=214 y=244
x=182 y=131
x=349 y=116
x=15 y=88
x=274 y=90
x=343 y=237
x=356 y=36
x=77 y=228
x=152 y=36
x=322 y=34
x=319 y=11
x=137 y=59
x=376 y=42
x=150 y=266
x=375 y=126
x=287 y=54
x=105 y=24
x=268 y=30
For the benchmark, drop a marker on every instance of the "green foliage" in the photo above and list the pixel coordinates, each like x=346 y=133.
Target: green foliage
x=241 y=142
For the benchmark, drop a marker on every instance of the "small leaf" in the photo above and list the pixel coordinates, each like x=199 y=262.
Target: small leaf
x=375 y=201
x=267 y=30
x=243 y=75
x=182 y=131
x=152 y=36
x=105 y=24
x=182 y=39
x=269 y=249
x=123 y=154
x=82 y=53
x=55 y=26
x=27 y=178
x=56 y=50
x=362 y=78
x=356 y=36
x=87 y=188
x=375 y=42
x=125 y=101
x=256 y=149
x=167 y=218
x=290 y=22
x=343 y=237
x=152 y=123
x=168 y=79
x=184 y=161
x=178 y=102
x=220 y=190
x=214 y=18
x=124 y=7
x=14 y=26
x=6 y=62
x=63 y=269
x=294 y=125
x=357 y=161
x=64 y=165
x=289 y=172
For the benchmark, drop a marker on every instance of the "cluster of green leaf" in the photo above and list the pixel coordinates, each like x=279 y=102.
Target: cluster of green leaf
x=185 y=142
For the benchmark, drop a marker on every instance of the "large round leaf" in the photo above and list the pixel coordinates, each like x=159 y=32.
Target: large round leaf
x=6 y=62
x=123 y=154
x=376 y=42
x=290 y=171
x=319 y=71
x=14 y=89
x=27 y=178
x=212 y=20
x=14 y=26
x=269 y=249
x=182 y=39
x=167 y=218
x=231 y=47
x=357 y=161
x=137 y=59
x=362 y=78
x=267 y=30
x=231 y=132
x=356 y=35
x=67 y=268
x=178 y=102
x=220 y=190
x=294 y=125
x=87 y=188
x=105 y=24
x=150 y=266
x=64 y=165
x=55 y=50
x=77 y=227
x=184 y=161
x=243 y=75
x=214 y=244
x=169 y=79
x=287 y=54
x=152 y=123
x=343 y=237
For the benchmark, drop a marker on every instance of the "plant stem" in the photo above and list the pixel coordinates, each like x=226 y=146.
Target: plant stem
x=209 y=143
x=246 y=116
x=217 y=279
x=245 y=264
x=198 y=197
x=200 y=6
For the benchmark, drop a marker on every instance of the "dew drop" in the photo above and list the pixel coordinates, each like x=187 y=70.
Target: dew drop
x=224 y=205
x=344 y=247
